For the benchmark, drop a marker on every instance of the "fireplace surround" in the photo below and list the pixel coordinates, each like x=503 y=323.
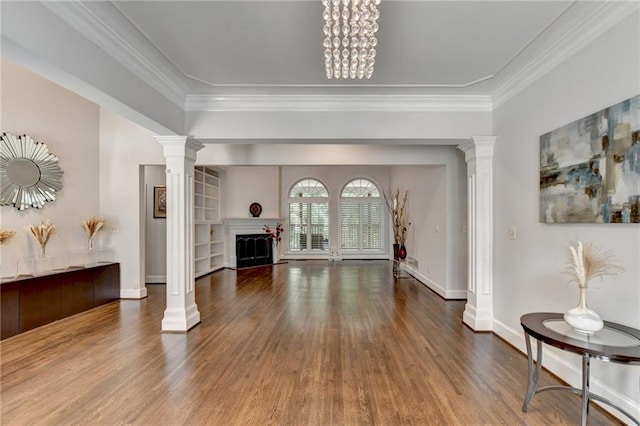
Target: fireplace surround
x=246 y=226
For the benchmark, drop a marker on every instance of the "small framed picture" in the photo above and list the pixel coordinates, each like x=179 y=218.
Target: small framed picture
x=160 y=201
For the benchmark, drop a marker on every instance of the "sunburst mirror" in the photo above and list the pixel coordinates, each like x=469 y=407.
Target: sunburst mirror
x=29 y=174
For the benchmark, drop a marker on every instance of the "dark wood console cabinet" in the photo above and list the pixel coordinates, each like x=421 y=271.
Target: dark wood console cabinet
x=29 y=302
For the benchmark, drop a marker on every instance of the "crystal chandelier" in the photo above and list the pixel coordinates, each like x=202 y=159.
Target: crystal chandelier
x=350 y=37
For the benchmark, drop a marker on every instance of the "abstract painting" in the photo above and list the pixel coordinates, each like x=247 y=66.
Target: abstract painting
x=590 y=169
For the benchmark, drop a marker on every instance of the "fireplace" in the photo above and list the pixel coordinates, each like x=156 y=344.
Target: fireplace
x=253 y=250
x=239 y=227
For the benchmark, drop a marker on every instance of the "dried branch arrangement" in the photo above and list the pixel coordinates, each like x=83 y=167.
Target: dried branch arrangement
x=92 y=225
x=397 y=209
x=5 y=234
x=587 y=262
x=43 y=232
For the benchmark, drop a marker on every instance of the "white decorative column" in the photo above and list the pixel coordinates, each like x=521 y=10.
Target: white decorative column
x=478 y=312
x=180 y=153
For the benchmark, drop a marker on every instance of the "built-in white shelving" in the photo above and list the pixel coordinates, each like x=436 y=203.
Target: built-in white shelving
x=209 y=232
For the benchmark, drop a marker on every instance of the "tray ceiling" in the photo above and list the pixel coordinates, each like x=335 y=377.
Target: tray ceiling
x=438 y=44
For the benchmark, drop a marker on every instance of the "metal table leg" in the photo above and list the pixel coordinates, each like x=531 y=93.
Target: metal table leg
x=585 y=388
x=533 y=374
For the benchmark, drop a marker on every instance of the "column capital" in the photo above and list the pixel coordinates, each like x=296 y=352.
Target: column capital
x=181 y=146
x=478 y=146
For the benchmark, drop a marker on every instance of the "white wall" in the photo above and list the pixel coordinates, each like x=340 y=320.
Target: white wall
x=366 y=126
x=437 y=209
x=155 y=228
x=124 y=148
x=426 y=210
x=527 y=273
x=245 y=185
x=68 y=124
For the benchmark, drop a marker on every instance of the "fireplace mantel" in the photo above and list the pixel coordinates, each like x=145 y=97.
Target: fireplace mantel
x=245 y=225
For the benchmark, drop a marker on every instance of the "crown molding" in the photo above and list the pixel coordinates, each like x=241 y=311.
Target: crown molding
x=107 y=27
x=338 y=103
x=104 y=25
x=601 y=20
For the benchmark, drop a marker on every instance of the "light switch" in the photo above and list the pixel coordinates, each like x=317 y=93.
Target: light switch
x=512 y=232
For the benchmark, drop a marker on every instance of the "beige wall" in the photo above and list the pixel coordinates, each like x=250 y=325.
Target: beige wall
x=69 y=125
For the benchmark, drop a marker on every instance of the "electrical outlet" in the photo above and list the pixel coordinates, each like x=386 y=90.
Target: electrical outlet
x=428 y=269
x=437 y=228
x=115 y=229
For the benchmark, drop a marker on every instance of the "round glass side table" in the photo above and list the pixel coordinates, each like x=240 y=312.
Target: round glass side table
x=614 y=343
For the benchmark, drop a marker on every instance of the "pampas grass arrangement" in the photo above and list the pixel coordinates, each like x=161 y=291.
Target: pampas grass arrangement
x=587 y=262
x=42 y=233
x=5 y=234
x=91 y=226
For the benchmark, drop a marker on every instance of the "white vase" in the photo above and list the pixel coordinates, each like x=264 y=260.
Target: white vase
x=581 y=318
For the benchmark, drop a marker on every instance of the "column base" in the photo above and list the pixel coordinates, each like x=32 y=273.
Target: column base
x=180 y=320
x=477 y=320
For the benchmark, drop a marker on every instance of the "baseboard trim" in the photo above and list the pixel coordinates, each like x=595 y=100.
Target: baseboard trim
x=441 y=291
x=155 y=279
x=133 y=293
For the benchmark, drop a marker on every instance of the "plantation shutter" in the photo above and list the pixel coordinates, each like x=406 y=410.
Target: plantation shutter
x=371 y=220
x=350 y=225
x=298 y=223
x=319 y=226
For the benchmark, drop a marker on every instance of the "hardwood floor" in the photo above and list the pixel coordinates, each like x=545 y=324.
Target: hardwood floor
x=293 y=344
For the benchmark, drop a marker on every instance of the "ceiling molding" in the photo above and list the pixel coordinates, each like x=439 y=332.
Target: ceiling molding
x=104 y=25
x=107 y=27
x=315 y=103
x=596 y=24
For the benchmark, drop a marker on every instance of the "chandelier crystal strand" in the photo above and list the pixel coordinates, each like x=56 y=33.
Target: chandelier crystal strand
x=350 y=37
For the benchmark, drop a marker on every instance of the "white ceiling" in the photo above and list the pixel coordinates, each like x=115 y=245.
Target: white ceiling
x=267 y=55
x=422 y=44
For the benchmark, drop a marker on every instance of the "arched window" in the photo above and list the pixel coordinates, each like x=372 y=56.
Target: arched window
x=308 y=217
x=361 y=217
